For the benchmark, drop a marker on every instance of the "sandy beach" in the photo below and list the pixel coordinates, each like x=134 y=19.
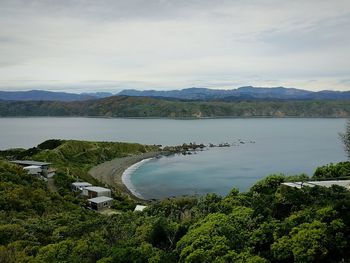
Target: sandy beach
x=110 y=173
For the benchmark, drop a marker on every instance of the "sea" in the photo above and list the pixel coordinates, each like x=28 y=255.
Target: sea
x=258 y=147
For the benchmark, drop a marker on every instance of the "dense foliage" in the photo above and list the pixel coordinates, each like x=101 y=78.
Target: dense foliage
x=333 y=171
x=123 y=106
x=269 y=223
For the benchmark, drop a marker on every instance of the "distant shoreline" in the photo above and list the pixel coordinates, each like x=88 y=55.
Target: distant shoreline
x=178 y=118
x=111 y=173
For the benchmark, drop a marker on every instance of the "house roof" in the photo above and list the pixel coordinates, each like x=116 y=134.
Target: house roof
x=140 y=207
x=81 y=184
x=97 y=189
x=32 y=167
x=344 y=183
x=29 y=162
x=100 y=199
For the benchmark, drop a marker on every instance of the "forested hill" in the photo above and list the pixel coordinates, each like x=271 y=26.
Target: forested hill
x=269 y=223
x=124 y=106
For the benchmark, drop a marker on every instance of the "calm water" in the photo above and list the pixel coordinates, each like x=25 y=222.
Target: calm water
x=290 y=146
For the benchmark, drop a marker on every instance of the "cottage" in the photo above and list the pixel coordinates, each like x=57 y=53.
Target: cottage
x=34 y=167
x=100 y=203
x=96 y=191
x=80 y=186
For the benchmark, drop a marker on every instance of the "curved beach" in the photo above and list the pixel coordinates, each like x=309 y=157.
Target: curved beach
x=126 y=177
x=116 y=173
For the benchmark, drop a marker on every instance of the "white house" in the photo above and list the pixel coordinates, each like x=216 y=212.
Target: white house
x=100 y=203
x=96 y=191
x=80 y=186
x=35 y=168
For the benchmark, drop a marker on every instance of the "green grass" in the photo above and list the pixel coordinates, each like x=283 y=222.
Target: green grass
x=76 y=158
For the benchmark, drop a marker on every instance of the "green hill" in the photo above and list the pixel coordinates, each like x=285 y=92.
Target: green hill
x=73 y=159
x=123 y=106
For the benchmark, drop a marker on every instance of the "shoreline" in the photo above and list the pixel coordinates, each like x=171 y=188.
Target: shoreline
x=111 y=173
x=126 y=177
x=176 y=118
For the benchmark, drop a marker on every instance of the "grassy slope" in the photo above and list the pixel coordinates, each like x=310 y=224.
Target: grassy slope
x=77 y=157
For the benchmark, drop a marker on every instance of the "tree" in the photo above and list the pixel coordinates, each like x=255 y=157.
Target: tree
x=345 y=137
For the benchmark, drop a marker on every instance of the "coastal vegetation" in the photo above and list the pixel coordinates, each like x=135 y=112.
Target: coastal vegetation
x=269 y=223
x=77 y=157
x=73 y=159
x=146 y=107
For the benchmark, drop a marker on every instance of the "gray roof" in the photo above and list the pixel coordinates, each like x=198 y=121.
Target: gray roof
x=29 y=162
x=100 y=199
x=81 y=184
x=344 y=183
x=97 y=189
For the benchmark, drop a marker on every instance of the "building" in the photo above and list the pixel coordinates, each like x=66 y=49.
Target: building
x=344 y=183
x=96 y=191
x=79 y=186
x=140 y=208
x=35 y=168
x=100 y=203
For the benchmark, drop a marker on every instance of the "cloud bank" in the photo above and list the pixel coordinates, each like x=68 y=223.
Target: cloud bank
x=110 y=45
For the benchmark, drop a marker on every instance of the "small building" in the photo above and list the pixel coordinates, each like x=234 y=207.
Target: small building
x=139 y=208
x=96 y=191
x=343 y=183
x=34 y=167
x=100 y=203
x=80 y=186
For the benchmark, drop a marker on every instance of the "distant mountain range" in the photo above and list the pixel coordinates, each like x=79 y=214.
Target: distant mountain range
x=201 y=94
x=242 y=93
x=42 y=95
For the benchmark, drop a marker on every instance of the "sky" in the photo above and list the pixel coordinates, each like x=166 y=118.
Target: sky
x=110 y=45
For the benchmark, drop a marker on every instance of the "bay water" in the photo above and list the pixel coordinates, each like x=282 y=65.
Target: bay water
x=288 y=145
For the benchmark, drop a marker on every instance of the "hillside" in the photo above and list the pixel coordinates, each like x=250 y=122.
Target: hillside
x=124 y=106
x=73 y=159
x=269 y=223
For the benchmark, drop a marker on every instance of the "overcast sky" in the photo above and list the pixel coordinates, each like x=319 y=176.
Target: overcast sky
x=109 y=45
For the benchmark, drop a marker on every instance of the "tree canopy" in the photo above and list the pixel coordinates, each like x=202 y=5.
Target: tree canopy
x=269 y=223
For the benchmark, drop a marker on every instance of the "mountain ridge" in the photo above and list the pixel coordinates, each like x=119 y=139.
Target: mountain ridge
x=241 y=93
x=193 y=93
x=44 y=95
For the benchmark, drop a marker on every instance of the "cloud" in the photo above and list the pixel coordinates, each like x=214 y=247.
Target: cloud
x=174 y=44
